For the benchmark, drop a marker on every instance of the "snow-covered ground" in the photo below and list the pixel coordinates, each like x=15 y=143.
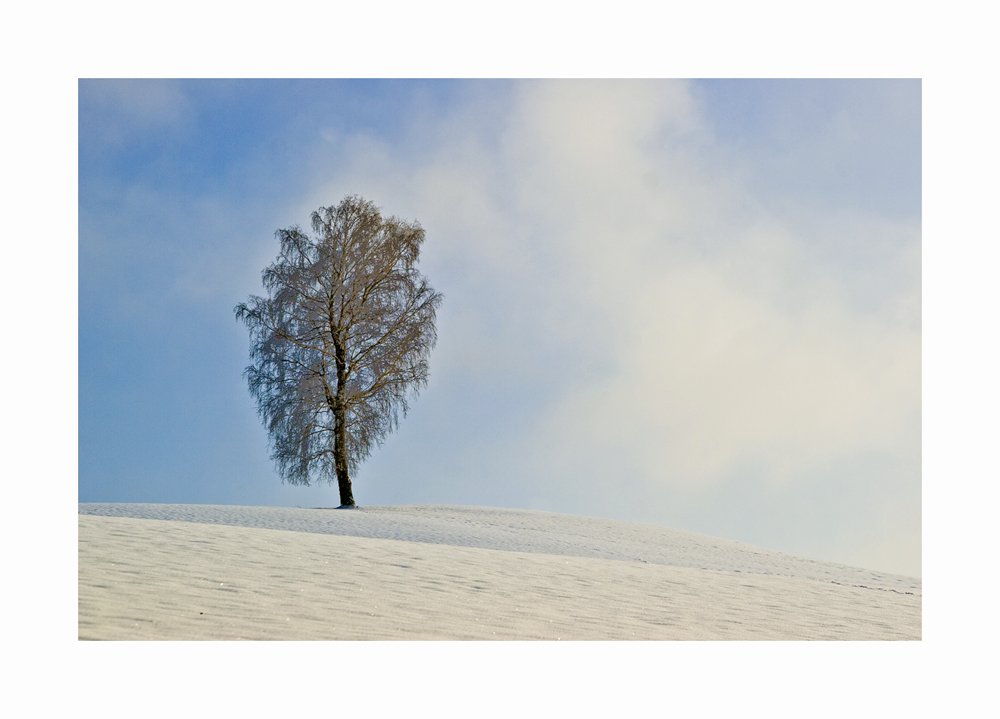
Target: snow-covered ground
x=156 y=571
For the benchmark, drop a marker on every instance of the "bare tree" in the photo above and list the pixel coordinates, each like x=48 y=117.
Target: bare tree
x=341 y=341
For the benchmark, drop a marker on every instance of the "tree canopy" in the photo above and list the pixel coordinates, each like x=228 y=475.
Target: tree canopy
x=341 y=342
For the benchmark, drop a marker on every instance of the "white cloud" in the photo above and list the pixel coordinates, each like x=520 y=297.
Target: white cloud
x=711 y=379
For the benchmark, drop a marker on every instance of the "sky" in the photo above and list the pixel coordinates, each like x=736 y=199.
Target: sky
x=695 y=304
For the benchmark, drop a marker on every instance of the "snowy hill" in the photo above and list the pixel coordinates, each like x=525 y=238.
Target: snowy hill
x=155 y=571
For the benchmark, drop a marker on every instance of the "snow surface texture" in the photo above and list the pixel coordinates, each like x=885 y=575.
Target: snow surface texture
x=157 y=571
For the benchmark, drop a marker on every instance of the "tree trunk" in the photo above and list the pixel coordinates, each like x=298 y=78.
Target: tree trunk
x=340 y=431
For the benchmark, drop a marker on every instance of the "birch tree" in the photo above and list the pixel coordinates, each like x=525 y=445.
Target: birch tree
x=340 y=344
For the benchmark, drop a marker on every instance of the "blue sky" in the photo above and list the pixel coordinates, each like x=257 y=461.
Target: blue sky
x=694 y=304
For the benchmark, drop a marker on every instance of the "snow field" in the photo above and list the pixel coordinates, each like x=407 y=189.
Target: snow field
x=142 y=578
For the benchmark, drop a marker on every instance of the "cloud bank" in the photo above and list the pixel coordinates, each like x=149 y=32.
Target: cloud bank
x=628 y=321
